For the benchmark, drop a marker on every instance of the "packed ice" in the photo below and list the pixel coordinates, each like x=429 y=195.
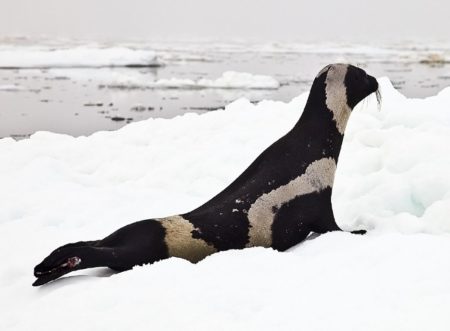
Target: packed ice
x=228 y=80
x=137 y=80
x=76 y=57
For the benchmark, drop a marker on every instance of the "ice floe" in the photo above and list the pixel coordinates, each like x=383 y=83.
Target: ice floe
x=75 y=57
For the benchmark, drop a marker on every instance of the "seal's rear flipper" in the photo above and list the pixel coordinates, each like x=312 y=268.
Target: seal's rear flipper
x=47 y=276
x=72 y=257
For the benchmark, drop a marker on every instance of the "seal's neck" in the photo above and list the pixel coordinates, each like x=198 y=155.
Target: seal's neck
x=323 y=121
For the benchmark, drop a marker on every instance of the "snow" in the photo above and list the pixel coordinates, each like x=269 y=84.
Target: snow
x=392 y=179
x=75 y=57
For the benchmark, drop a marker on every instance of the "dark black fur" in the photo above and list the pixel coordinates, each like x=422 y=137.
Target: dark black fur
x=314 y=137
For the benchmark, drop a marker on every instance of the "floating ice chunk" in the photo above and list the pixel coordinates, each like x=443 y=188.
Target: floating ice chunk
x=175 y=83
x=240 y=80
x=11 y=87
x=77 y=57
x=435 y=59
x=230 y=80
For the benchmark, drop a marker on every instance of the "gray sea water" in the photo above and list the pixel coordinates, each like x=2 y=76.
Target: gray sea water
x=77 y=100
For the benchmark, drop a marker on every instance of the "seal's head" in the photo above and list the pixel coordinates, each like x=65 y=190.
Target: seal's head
x=341 y=87
x=356 y=83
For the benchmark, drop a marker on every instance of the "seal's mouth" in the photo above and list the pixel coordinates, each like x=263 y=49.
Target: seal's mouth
x=47 y=275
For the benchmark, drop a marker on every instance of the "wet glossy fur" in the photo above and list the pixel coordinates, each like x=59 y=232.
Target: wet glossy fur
x=276 y=202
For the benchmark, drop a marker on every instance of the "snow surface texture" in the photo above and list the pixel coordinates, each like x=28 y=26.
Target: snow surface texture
x=78 y=57
x=393 y=178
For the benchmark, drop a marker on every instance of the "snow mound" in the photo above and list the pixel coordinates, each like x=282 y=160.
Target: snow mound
x=393 y=172
x=392 y=179
x=76 y=57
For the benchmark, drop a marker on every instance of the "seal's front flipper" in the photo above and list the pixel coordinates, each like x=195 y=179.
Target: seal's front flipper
x=328 y=224
x=325 y=225
x=324 y=221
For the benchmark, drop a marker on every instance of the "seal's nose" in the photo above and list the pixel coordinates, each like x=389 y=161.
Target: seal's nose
x=373 y=84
